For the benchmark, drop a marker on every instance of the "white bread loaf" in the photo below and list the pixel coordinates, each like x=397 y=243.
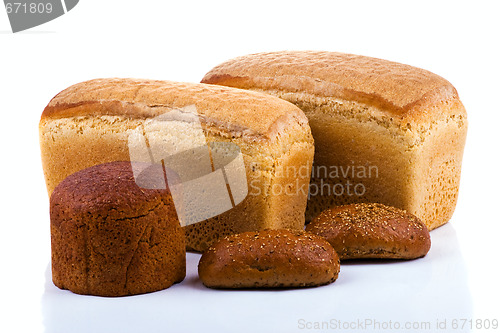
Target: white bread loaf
x=91 y=123
x=384 y=132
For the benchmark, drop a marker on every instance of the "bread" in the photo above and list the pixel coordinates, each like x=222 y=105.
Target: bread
x=110 y=237
x=269 y=259
x=93 y=122
x=384 y=132
x=372 y=230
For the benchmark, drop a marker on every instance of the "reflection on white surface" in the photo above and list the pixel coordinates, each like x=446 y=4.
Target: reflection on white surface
x=384 y=293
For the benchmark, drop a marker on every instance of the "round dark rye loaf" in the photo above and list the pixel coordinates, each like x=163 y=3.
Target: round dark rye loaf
x=112 y=238
x=372 y=230
x=268 y=259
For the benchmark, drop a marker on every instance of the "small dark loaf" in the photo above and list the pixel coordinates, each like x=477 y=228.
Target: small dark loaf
x=112 y=238
x=372 y=230
x=269 y=259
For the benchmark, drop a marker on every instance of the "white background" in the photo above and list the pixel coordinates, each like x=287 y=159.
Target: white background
x=181 y=41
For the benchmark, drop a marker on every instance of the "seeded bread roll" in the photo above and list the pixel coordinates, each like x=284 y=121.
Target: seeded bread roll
x=269 y=259
x=93 y=122
x=112 y=238
x=372 y=230
x=384 y=131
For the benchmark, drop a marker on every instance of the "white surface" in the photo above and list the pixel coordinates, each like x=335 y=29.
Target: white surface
x=181 y=41
x=417 y=292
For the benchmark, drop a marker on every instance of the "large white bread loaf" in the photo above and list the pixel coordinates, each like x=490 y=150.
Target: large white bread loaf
x=93 y=122
x=384 y=131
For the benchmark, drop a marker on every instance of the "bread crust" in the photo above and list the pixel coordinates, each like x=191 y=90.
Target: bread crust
x=400 y=90
x=249 y=115
x=111 y=238
x=372 y=230
x=269 y=259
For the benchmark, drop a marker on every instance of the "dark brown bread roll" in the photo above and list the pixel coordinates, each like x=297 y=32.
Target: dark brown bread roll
x=372 y=230
x=112 y=238
x=269 y=259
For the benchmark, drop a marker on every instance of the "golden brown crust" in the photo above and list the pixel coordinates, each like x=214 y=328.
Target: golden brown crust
x=269 y=259
x=372 y=230
x=249 y=114
x=399 y=89
x=111 y=238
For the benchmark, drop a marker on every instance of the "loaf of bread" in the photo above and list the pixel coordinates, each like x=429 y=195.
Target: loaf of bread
x=110 y=237
x=372 y=230
x=269 y=259
x=106 y=120
x=384 y=132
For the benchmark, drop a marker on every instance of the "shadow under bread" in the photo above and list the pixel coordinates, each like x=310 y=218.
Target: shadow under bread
x=425 y=290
